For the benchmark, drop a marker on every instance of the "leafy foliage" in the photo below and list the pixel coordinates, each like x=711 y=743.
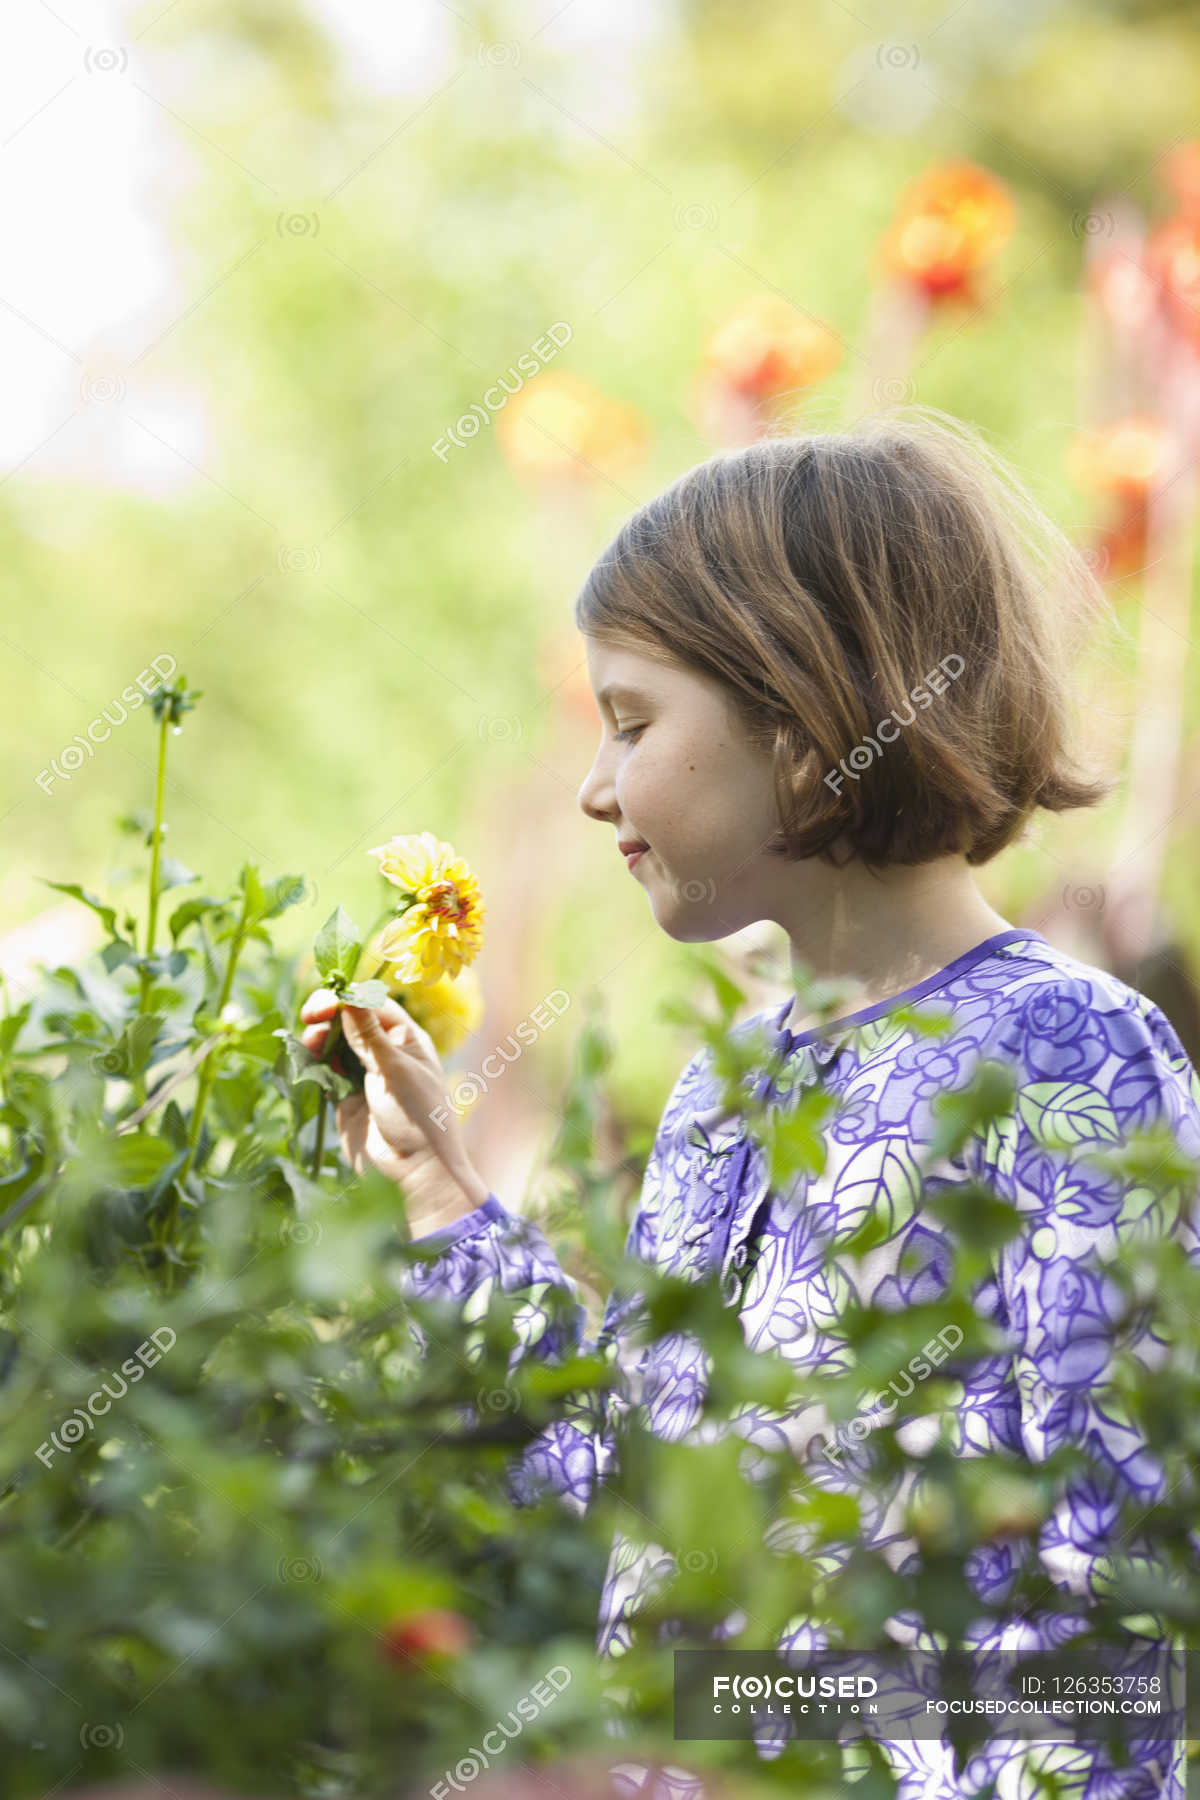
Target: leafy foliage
x=253 y=1520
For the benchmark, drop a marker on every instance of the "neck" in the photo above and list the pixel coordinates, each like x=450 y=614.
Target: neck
x=876 y=935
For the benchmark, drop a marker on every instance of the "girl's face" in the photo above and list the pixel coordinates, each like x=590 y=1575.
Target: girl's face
x=676 y=772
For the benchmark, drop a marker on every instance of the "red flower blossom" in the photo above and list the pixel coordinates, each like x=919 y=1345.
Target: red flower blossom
x=1181 y=174
x=1121 y=458
x=426 y=1635
x=767 y=347
x=949 y=224
x=1173 y=260
x=763 y=352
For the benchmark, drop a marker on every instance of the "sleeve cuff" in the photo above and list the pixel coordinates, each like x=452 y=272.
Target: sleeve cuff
x=490 y=1212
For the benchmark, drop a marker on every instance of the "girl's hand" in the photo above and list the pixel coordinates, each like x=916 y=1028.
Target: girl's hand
x=391 y=1124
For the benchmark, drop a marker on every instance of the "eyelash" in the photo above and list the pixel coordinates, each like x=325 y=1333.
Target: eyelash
x=624 y=737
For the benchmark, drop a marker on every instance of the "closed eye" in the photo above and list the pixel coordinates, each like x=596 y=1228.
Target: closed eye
x=628 y=733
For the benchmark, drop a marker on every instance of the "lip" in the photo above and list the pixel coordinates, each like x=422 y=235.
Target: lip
x=632 y=851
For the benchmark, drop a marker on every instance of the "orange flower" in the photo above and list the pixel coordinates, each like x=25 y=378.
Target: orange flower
x=1181 y=174
x=950 y=221
x=561 y=426
x=767 y=347
x=1120 y=548
x=1173 y=259
x=1122 y=458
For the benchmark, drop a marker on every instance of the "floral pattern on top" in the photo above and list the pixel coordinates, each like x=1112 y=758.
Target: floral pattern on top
x=1092 y=1059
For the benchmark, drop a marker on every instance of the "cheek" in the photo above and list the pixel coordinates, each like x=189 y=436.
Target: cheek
x=738 y=805
x=671 y=774
x=698 y=792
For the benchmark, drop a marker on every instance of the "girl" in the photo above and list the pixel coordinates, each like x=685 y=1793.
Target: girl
x=831 y=676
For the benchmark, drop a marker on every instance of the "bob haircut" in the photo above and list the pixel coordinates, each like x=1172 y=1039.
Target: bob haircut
x=892 y=615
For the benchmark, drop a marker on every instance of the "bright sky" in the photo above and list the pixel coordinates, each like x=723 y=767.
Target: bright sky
x=88 y=153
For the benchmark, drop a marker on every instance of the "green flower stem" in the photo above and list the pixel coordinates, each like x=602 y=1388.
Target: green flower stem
x=332 y=1039
x=144 y=985
x=319 y=1147
x=204 y=1085
x=155 y=857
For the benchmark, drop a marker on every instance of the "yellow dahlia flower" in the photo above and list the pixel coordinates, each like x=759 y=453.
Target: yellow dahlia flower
x=438 y=928
x=448 y=1010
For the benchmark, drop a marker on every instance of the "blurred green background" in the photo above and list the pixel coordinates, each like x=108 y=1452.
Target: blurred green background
x=359 y=222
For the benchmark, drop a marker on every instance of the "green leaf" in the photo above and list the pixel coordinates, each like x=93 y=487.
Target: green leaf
x=303 y=1066
x=729 y=995
x=974 y=1215
x=190 y=911
x=261 y=1040
x=174 y=1125
x=170 y=1169
x=374 y=1589
x=107 y=913
x=306 y=1193
x=284 y=891
x=924 y=1024
x=172 y=962
x=118 y=951
x=137 y=1157
x=130 y=1053
x=960 y=1113
x=21 y=1180
x=251 y=887
x=365 y=993
x=796 y=1137
x=338 y=946
x=11 y=1026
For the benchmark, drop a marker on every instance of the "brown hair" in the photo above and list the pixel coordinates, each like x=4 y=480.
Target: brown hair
x=822 y=579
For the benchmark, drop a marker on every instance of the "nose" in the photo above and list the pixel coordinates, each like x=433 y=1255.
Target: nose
x=597 y=796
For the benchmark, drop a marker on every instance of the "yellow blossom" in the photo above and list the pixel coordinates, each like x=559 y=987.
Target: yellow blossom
x=448 y=1010
x=440 y=930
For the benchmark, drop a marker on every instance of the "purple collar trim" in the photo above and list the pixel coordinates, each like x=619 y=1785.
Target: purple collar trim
x=787 y=1039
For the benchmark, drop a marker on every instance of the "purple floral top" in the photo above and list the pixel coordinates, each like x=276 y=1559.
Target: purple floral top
x=1092 y=1059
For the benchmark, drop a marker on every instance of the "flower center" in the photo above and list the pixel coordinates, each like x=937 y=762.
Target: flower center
x=444 y=899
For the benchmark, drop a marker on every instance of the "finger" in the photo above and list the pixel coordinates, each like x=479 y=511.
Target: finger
x=386 y=1153
x=404 y=1031
x=313 y=1038
x=392 y=1013
x=352 y=1121
x=322 y=1003
x=371 y=1038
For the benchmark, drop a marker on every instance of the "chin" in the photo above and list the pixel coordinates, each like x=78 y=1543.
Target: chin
x=696 y=925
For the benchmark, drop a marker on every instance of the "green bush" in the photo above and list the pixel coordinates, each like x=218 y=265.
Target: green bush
x=255 y=1527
